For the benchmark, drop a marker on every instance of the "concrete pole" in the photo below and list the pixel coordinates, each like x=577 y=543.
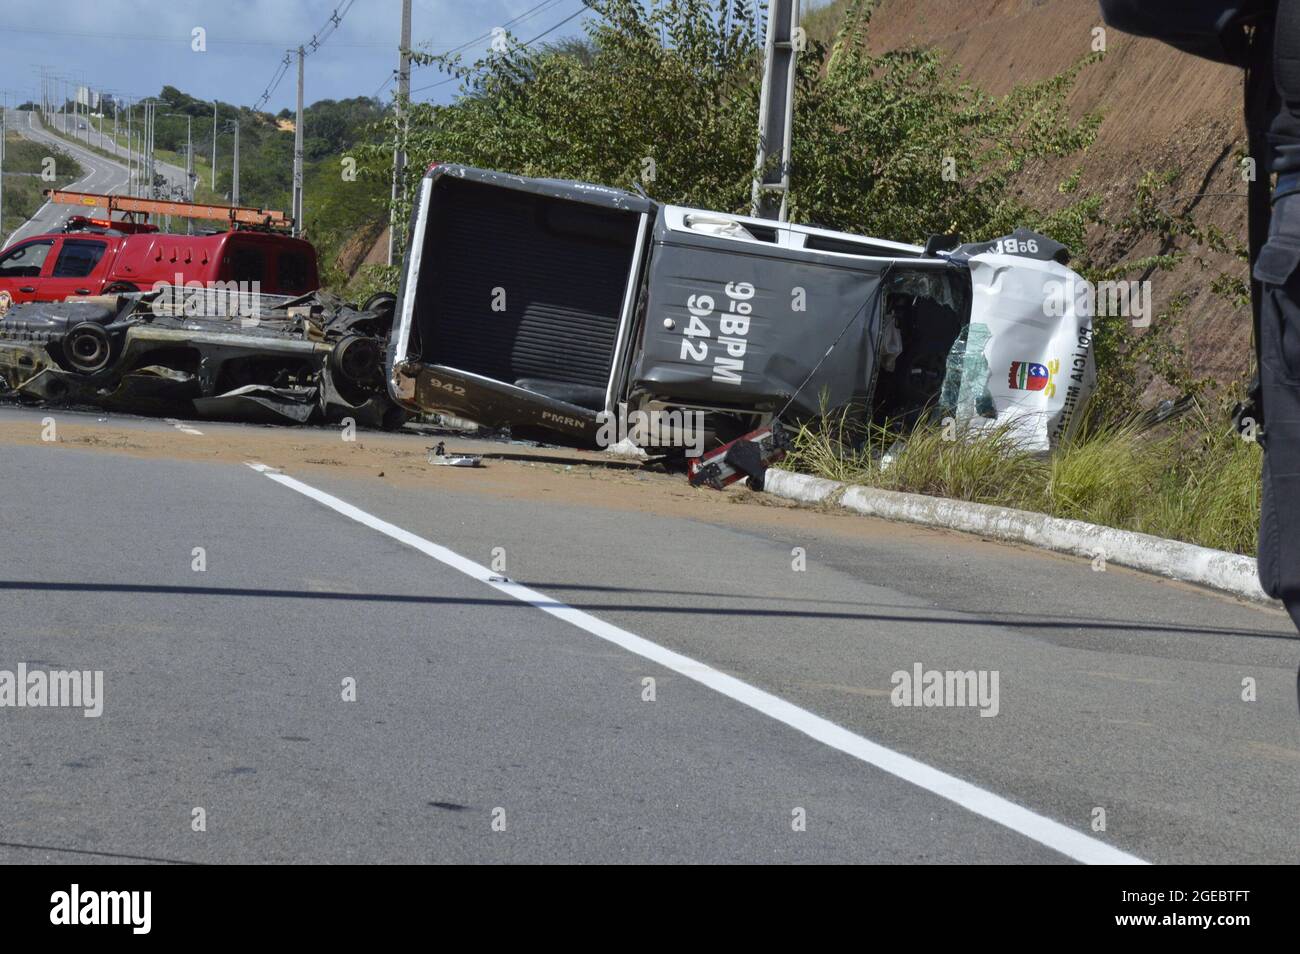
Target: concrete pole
x=297 y=153
x=771 y=187
x=214 y=145
x=189 y=170
x=153 y=119
x=403 y=94
x=234 y=187
x=4 y=111
x=130 y=152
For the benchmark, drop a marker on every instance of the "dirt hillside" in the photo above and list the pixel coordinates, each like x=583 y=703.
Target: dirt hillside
x=1162 y=110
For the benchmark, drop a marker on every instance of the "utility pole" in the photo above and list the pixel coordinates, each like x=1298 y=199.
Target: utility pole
x=4 y=132
x=130 y=152
x=146 y=180
x=149 y=165
x=214 y=145
x=771 y=187
x=234 y=186
x=297 y=153
x=399 y=104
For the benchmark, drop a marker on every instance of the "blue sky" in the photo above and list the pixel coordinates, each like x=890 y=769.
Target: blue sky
x=136 y=47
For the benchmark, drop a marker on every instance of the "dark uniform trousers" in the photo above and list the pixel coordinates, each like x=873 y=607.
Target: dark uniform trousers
x=1278 y=271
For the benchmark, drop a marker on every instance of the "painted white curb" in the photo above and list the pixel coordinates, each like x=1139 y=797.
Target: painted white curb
x=1229 y=572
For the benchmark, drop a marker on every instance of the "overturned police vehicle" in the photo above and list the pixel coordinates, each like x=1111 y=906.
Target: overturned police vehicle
x=553 y=306
x=195 y=352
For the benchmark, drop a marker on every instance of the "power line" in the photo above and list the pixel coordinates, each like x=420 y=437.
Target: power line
x=557 y=26
x=308 y=48
x=281 y=68
x=526 y=43
x=545 y=4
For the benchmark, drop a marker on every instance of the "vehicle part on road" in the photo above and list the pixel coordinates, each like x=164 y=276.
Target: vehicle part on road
x=549 y=306
x=309 y=358
x=747 y=456
x=86 y=347
x=439 y=455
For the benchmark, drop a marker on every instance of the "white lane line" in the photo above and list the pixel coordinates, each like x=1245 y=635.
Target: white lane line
x=1073 y=844
x=182 y=426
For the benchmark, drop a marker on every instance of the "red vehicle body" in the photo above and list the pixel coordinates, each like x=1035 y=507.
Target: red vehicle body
x=91 y=260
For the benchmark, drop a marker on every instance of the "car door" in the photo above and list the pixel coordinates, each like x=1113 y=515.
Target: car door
x=79 y=267
x=21 y=268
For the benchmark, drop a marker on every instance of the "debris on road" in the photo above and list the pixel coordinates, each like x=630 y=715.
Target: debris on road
x=438 y=455
x=746 y=456
x=264 y=358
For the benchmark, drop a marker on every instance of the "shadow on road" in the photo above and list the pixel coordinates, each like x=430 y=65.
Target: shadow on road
x=965 y=619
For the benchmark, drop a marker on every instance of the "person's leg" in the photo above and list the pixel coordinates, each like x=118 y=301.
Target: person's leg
x=1278 y=269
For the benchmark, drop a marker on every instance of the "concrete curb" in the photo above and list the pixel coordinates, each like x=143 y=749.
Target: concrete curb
x=1227 y=572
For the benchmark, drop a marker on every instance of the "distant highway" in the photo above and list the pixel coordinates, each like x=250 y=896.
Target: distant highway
x=104 y=175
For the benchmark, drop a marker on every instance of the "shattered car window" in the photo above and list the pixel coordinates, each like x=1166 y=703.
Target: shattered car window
x=925 y=312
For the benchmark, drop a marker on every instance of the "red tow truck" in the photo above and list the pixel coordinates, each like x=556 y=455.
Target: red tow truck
x=94 y=256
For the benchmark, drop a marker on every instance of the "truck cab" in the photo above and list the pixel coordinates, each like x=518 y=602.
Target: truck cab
x=92 y=256
x=55 y=267
x=93 y=261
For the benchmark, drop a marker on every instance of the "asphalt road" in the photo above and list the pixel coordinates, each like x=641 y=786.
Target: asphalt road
x=174 y=175
x=103 y=176
x=478 y=701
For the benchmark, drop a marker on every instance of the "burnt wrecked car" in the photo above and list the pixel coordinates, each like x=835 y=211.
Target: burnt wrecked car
x=204 y=353
x=552 y=306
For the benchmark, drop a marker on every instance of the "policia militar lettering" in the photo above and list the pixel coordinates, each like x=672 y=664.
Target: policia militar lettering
x=1263 y=38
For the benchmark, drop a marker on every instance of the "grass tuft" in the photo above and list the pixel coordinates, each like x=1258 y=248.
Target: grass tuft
x=1192 y=479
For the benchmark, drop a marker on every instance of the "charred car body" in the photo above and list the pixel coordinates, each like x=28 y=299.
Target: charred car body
x=549 y=306
x=264 y=358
